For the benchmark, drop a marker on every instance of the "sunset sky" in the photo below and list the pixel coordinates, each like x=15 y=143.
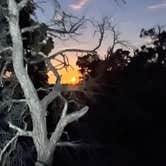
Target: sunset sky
x=129 y=18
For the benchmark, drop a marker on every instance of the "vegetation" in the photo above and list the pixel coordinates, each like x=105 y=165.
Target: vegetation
x=128 y=99
x=125 y=92
x=24 y=54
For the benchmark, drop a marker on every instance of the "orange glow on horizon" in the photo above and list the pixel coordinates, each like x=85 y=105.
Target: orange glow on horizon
x=74 y=80
x=71 y=76
x=66 y=75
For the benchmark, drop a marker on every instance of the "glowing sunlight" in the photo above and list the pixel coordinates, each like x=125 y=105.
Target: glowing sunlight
x=71 y=76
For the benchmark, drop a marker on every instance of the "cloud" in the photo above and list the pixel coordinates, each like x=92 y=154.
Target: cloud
x=157 y=6
x=78 y=4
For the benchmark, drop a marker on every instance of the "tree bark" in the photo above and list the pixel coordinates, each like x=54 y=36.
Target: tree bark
x=45 y=147
x=45 y=156
x=38 y=114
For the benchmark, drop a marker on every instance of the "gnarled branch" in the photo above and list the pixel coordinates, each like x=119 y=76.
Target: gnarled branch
x=61 y=52
x=64 y=121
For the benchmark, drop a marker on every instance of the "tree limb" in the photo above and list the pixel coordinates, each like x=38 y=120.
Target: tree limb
x=52 y=68
x=101 y=28
x=18 y=100
x=55 y=92
x=20 y=131
x=64 y=121
x=22 y=4
x=76 y=115
x=35 y=107
x=64 y=30
x=30 y=29
x=61 y=52
x=82 y=145
x=7 y=146
x=5 y=49
x=64 y=111
x=71 y=144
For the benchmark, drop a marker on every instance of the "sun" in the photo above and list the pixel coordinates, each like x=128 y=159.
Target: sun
x=71 y=76
x=74 y=80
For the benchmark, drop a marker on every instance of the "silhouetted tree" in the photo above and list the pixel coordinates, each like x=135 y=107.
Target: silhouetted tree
x=130 y=101
x=24 y=49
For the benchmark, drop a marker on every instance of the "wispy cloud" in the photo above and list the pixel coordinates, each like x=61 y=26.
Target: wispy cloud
x=78 y=4
x=157 y=6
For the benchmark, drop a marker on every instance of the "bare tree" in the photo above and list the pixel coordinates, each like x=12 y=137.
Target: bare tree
x=45 y=146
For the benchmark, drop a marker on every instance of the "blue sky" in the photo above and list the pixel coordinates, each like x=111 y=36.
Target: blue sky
x=129 y=17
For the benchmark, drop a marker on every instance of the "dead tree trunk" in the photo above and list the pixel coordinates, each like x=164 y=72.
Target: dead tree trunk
x=38 y=109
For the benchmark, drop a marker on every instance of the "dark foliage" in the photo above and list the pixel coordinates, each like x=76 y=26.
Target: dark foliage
x=129 y=112
x=126 y=122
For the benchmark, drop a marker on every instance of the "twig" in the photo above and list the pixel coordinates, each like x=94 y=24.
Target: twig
x=20 y=131
x=30 y=29
x=7 y=145
x=19 y=101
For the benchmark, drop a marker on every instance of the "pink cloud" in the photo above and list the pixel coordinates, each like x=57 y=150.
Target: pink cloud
x=78 y=4
x=157 y=6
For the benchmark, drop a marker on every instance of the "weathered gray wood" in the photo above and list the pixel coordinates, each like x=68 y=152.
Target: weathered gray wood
x=38 y=109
